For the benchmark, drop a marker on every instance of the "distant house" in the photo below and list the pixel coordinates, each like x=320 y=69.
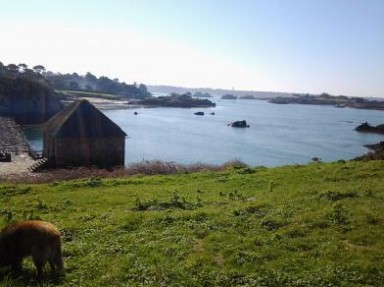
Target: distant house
x=81 y=135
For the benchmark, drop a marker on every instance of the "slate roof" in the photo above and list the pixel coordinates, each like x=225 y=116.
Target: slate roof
x=82 y=119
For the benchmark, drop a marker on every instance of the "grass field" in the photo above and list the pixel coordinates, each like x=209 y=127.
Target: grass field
x=315 y=225
x=96 y=95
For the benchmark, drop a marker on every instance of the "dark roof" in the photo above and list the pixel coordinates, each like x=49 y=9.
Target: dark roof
x=82 y=119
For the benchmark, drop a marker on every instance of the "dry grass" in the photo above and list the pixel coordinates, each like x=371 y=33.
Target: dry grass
x=144 y=168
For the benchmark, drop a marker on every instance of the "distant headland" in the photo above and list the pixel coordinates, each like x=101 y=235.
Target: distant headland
x=327 y=99
x=177 y=101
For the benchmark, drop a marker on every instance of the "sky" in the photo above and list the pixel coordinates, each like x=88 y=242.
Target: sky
x=302 y=46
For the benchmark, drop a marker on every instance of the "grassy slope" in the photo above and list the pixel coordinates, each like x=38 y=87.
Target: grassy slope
x=314 y=225
x=97 y=95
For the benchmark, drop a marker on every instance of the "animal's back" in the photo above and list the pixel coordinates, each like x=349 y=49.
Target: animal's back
x=32 y=233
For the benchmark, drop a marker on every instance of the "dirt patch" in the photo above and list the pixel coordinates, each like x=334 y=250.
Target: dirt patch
x=18 y=166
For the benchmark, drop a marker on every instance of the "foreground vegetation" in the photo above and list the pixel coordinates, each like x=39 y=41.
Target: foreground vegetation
x=314 y=225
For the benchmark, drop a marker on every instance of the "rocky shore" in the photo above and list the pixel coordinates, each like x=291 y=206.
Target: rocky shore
x=12 y=137
x=13 y=141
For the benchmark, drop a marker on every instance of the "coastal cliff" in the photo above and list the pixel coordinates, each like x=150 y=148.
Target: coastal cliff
x=27 y=101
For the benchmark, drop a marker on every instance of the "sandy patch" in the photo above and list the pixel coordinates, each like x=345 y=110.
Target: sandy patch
x=19 y=164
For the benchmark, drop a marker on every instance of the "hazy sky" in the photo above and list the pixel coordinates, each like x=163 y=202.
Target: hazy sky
x=334 y=46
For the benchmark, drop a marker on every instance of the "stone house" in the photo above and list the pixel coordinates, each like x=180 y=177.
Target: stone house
x=81 y=135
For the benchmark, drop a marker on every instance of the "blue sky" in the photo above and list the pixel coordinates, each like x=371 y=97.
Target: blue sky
x=310 y=46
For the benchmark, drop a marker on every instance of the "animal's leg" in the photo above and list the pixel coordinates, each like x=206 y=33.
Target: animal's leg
x=39 y=267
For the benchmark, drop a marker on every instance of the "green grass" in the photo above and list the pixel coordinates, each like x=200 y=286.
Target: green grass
x=90 y=94
x=314 y=225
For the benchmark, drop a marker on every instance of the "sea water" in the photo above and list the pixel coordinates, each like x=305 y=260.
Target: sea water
x=278 y=134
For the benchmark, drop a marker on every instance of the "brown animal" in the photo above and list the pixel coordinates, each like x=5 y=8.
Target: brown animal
x=39 y=239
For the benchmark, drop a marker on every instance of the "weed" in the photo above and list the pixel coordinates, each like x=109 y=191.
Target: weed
x=176 y=201
x=141 y=205
x=251 y=210
x=41 y=205
x=235 y=195
x=12 y=190
x=271 y=224
x=30 y=215
x=93 y=182
x=336 y=195
x=270 y=186
x=339 y=215
x=7 y=214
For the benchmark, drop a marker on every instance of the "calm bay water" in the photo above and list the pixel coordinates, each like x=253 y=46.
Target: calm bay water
x=278 y=134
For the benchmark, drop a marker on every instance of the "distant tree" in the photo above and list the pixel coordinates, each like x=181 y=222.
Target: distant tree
x=29 y=74
x=90 y=78
x=89 y=82
x=13 y=69
x=325 y=95
x=22 y=67
x=73 y=85
x=143 y=89
x=58 y=82
x=358 y=100
x=39 y=69
x=107 y=85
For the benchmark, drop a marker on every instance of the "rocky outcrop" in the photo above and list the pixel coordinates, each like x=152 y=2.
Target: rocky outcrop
x=376 y=147
x=28 y=102
x=367 y=128
x=239 y=124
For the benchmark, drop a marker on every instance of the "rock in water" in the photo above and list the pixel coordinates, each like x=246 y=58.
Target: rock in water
x=239 y=124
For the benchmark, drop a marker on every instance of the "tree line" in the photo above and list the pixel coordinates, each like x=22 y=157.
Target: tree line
x=35 y=73
x=74 y=82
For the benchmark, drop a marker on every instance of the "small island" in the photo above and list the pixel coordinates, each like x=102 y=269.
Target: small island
x=228 y=97
x=367 y=128
x=326 y=99
x=248 y=97
x=177 y=101
x=202 y=95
